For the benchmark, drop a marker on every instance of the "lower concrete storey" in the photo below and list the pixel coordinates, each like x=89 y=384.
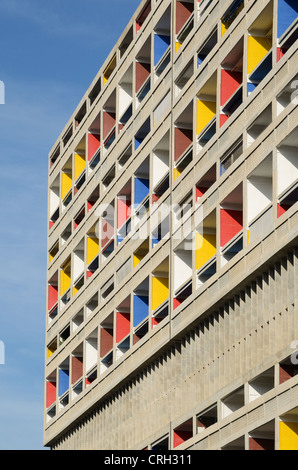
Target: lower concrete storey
x=266 y=424
x=225 y=359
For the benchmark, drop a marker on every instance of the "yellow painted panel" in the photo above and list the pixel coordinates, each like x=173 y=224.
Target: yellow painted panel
x=248 y=237
x=230 y=18
x=66 y=184
x=160 y=291
x=80 y=164
x=288 y=436
x=136 y=259
x=108 y=71
x=177 y=173
x=178 y=45
x=92 y=248
x=206 y=110
x=257 y=49
x=140 y=253
x=74 y=291
x=65 y=279
x=205 y=248
x=49 y=353
x=224 y=28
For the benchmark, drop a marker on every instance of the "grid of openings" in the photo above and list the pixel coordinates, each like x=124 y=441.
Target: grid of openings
x=120 y=185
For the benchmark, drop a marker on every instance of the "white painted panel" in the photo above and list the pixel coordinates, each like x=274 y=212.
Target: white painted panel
x=78 y=263
x=54 y=196
x=160 y=165
x=259 y=195
x=182 y=267
x=125 y=97
x=91 y=352
x=287 y=168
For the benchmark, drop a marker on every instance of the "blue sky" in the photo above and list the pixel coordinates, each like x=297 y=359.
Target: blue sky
x=50 y=52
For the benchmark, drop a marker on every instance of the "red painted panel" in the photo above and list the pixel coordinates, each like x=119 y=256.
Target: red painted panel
x=230 y=224
x=107 y=232
x=123 y=210
x=281 y=209
x=106 y=341
x=200 y=190
x=181 y=436
x=183 y=139
x=123 y=325
x=230 y=81
x=109 y=120
x=93 y=145
x=200 y=424
x=176 y=303
x=77 y=369
x=143 y=15
x=280 y=53
x=183 y=12
x=156 y=321
x=287 y=371
x=223 y=119
x=261 y=444
x=51 y=393
x=88 y=381
x=53 y=296
x=135 y=339
x=142 y=73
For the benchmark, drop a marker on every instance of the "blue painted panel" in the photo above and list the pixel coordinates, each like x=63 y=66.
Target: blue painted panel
x=210 y=270
x=119 y=240
x=138 y=141
x=140 y=309
x=142 y=133
x=157 y=236
x=250 y=88
x=287 y=13
x=141 y=190
x=262 y=70
x=161 y=44
x=144 y=91
x=155 y=241
x=201 y=58
x=238 y=246
x=123 y=232
x=63 y=381
x=126 y=116
x=109 y=249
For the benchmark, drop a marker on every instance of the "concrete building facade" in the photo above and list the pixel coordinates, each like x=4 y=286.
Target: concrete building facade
x=172 y=240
